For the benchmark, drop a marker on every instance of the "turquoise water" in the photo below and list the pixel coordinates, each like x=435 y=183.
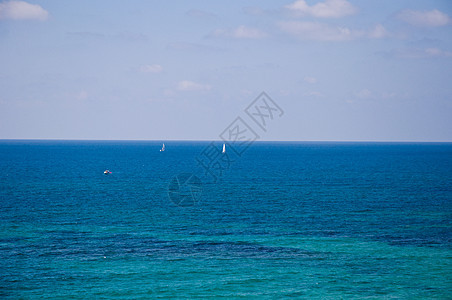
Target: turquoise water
x=307 y=220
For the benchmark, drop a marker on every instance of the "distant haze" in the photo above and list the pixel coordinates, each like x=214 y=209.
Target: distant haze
x=164 y=70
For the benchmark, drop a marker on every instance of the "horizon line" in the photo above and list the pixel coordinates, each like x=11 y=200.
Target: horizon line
x=208 y=140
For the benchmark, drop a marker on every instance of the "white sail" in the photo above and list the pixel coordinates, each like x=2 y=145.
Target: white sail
x=163 y=148
x=224 y=148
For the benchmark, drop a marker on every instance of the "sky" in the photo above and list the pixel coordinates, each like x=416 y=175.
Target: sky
x=184 y=70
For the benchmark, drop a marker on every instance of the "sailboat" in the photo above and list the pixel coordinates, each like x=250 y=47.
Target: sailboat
x=224 y=149
x=163 y=148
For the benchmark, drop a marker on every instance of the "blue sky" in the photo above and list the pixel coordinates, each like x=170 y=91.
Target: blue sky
x=184 y=70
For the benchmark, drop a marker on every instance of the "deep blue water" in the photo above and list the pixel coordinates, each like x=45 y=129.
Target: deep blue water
x=308 y=220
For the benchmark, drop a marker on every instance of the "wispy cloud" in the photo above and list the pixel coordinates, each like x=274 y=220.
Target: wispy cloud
x=378 y=32
x=248 y=33
x=21 y=10
x=86 y=34
x=82 y=95
x=131 y=36
x=314 y=94
x=187 y=85
x=310 y=79
x=326 y=9
x=185 y=46
x=325 y=32
x=438 y=52
x=415 y=53
x=126 y=36
x=432 y=18
x=241 y=32
x=201 y=14
x=316 y=31
x=368 y=95
x=253 y=10
x=151 y=68
x=364 y=94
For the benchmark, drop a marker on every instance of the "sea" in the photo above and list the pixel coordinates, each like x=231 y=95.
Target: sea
x=309 y=220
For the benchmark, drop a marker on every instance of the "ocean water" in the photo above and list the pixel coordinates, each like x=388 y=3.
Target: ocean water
x=304 y=220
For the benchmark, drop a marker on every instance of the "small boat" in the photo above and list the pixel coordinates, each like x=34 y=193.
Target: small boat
x=224 y=149
x=163 y=148
x=107 y=172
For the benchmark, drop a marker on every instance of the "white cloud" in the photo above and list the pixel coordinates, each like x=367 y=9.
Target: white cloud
x=21 y=10
x=151 y=68
x=241 y=32
x=325 y=32
x=187 y=85
x=432 y=18
x=327 y=9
